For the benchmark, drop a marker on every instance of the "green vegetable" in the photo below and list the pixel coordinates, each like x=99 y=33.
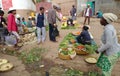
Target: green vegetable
x=72 y=72
x=91 y=48
x=64 y=52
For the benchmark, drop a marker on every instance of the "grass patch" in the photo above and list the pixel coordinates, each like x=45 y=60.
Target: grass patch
x=73 y=72
x=32 y=56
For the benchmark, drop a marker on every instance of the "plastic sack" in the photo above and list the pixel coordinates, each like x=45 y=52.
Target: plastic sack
x=55 y=32
x=10 y=40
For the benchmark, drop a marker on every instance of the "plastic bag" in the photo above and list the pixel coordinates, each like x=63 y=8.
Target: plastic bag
x=55 y=32
x=10 y=40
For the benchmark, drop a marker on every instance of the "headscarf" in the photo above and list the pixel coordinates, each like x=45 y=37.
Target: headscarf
x=110 y=17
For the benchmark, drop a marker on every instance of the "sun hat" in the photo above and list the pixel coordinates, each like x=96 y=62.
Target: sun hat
x=11 y=9
x=110 y=17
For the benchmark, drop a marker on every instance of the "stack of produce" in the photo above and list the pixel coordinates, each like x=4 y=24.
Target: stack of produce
x=80 y=50
x=70 y=42
x=28 y=38
x=85 y=49
x=5 y=65
x=66 y=53
x=66 y=40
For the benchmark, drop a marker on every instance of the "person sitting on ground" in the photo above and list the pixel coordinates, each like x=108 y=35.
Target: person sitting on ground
x=70 y=22
x=29 y=23
x=84 y=37
x=19 y=24
x=24 y=23
x=99 y=14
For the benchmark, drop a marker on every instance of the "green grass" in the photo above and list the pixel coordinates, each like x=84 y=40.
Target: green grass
x=32 y=56
x=73 y=72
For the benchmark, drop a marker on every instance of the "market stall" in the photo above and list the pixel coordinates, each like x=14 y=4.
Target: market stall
x=69 y=48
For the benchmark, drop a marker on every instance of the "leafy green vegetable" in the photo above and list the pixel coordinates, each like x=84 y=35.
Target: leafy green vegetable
x=72 y=72
x=66 y=40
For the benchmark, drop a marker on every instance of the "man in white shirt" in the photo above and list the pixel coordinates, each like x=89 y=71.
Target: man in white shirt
x=87 y=14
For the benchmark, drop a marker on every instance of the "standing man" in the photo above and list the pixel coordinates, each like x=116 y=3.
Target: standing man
x=87 y=14
x=41 y=23
x=52 y=22
x=73 y=12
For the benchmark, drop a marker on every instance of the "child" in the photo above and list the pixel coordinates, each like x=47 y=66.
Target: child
x=84 y=37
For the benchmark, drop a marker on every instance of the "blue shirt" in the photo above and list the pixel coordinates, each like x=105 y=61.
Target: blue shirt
x=40 y=20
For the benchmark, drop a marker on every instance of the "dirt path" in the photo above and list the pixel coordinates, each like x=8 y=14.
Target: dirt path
x=19 y=67
x=52 y=53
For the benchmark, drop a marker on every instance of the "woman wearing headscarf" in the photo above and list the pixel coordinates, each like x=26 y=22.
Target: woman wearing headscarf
x=12 y=26
x=110 y=50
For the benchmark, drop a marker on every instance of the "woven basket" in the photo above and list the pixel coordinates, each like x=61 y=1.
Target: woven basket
x=80 y=51
x=66 y=57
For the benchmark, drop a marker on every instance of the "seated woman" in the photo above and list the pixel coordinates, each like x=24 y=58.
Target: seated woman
x=84 y=37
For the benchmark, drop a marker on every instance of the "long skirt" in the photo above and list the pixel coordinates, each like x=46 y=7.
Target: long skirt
x=106 y=63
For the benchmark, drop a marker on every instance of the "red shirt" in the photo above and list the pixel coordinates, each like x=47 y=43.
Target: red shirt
x=11 y=23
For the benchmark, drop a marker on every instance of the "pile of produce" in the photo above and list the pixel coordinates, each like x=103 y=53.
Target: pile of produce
x=90 y=49
x=5 y=65
x=66 y=26
x=27 y=38
x=79 y=49
x=76 y=33
x=66 y=41
x=66 y=53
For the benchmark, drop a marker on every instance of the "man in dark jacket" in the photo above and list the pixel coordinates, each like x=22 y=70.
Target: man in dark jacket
x=73 y=12
x=52 y=22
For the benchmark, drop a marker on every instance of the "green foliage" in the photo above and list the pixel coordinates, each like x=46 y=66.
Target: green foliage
x=69 y=27
x=32 y=56
x=66 y=40
x=93 y=74
x=71 y=72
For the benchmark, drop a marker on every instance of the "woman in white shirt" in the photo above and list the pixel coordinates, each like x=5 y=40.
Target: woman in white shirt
x=110 y=50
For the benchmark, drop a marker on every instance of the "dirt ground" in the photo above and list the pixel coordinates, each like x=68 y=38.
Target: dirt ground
x=51 y=56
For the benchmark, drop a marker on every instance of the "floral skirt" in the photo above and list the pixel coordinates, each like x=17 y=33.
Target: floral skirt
x=106 y=63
